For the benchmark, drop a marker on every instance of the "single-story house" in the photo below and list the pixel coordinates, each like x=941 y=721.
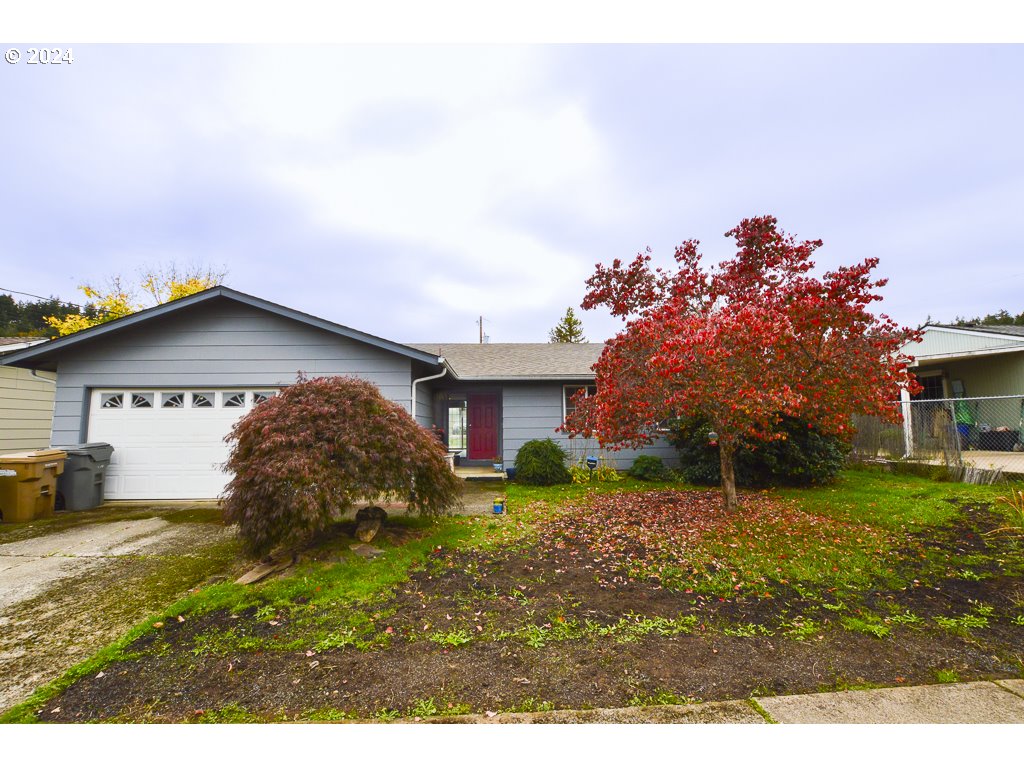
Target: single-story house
x=26 y=401
x=972 y=404
x=164 y=386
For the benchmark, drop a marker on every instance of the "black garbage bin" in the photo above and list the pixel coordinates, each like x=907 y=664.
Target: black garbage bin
x=85 y=470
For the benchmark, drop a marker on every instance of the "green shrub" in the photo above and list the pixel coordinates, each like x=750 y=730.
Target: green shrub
x=542 y=462
x=805 y=457
x=650 y=468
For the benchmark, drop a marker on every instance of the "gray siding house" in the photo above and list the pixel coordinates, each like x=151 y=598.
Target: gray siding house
x=164 y=386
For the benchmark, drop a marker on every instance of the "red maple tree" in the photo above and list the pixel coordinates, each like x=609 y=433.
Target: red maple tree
x=742 y=345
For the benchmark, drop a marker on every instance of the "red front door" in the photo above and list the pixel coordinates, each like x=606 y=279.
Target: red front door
x=482 y=426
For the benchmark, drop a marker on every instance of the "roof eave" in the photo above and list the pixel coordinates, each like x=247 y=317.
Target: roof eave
x=536 y=377
x=969 y=331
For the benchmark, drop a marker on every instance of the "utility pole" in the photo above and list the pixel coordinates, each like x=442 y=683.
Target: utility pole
x=480 y=322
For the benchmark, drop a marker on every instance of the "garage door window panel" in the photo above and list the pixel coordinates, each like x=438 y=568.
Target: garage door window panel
x=173 y=400
x=203 y=399
x=112 y=400
x=234 y=399
x=142 y=400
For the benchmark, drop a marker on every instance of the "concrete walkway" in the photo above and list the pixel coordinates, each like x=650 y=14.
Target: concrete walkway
x=66 y=593
x=970 y=703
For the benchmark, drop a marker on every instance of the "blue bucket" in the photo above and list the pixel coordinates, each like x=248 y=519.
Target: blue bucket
x=499 y=506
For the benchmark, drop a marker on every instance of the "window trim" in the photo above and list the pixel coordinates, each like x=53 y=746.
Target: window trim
x=591 y=391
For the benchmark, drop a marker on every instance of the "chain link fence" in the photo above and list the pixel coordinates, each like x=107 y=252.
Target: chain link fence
x=979 y=439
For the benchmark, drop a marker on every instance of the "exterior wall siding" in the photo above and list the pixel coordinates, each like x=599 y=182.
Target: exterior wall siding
x=988 y=376
x=941 y=342
x=426 y=412
x=224 y=344
x=26 y=410
x=534 y=410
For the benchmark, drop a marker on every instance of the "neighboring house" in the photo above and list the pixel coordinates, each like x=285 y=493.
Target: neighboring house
x=164 y=386
x=26 y=401
x=969 y=361
x=973 y=379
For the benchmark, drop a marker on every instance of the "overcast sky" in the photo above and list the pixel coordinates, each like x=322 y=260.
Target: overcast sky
x=404 y=191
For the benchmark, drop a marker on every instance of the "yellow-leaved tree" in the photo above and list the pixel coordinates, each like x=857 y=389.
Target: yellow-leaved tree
x=117 y=298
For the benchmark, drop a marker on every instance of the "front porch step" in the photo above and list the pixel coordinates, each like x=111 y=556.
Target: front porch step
x=478 y=473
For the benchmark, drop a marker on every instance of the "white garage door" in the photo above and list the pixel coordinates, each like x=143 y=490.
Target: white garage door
x=168 y=444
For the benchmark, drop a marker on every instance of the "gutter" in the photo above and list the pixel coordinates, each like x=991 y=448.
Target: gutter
x=416 y=382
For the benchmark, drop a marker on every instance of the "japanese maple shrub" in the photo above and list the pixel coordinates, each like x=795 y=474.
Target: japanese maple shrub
x=318 y=447
x=744 y=345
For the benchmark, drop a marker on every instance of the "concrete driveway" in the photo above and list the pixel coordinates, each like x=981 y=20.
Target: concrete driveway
x=72 y=584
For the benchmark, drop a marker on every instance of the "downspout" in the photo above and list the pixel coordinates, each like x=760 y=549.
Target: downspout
x=416 y=382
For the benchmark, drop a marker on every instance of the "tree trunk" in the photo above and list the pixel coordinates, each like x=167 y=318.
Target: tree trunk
x=725 y=451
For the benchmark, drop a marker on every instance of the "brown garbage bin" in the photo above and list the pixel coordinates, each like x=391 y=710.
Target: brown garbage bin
x=28 y=484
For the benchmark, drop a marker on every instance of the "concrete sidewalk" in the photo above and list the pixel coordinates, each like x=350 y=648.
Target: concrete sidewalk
x=971 y=703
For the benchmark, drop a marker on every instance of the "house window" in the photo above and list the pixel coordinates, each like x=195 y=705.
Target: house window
x=173 y=400
x=933 y=389
x=259 y=397
x=234 y=399
x=456 y=423
x=142 y=399
x=569 y=391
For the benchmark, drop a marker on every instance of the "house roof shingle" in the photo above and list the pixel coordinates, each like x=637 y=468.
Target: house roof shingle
x=8 y=340
x=518 y=361
x=1006 y=330
x=9 y=345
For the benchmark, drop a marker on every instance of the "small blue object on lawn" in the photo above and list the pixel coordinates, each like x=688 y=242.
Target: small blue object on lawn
x=499 y=506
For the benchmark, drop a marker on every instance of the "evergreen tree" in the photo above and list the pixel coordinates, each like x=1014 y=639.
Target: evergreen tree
x=27 y=318
x=1002 y=317
x=568 y=331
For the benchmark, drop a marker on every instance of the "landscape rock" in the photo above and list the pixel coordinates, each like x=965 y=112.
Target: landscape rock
x=264 y=569
x=371 y=513
x=366 y=530
x=365 y=550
